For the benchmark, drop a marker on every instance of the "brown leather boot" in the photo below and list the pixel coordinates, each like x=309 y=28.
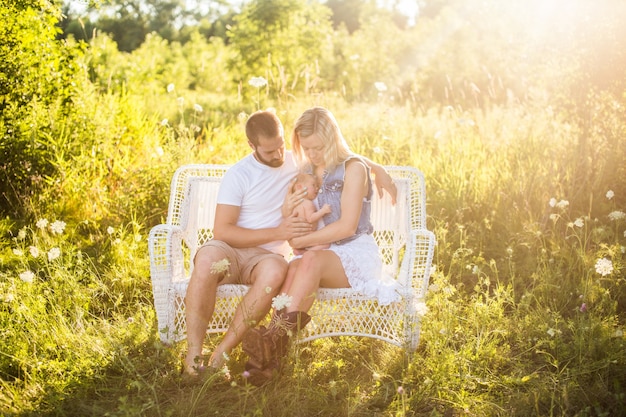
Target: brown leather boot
x=267 y=347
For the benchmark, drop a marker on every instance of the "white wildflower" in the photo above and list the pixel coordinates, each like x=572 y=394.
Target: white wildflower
x=554 y=217
x=380 y=86
x=27 y=276
x=220 y=267
x=618 y=333
x=610 y=194
x=165 y=122
x=617 y=215
x=34 y=251
x=21 y=235
x=421 y=308
x=376 y=376
x=551 y=332
x=281 y=301
x=579 y=222
x=137 y=237
x=552 y=202
x=257 y=82
x=604 y=266
x=198 y=108
x=18 y=252
x=53 y=254
x=159 y=151
x=180 y=101
x=42 y=223
x=170 y=87
x=110 y=230
x=562 y=204
x=57 y=227
x=377 y=150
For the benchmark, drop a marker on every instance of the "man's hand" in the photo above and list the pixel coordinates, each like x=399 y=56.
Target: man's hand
x=382 y=180
x=292 y=227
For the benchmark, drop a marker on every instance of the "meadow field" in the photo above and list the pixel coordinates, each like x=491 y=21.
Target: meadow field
x=526 y=194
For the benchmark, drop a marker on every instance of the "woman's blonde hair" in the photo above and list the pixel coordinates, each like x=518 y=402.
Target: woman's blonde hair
x=320 y=121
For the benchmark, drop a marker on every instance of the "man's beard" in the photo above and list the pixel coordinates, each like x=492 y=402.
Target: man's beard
x=274 y=163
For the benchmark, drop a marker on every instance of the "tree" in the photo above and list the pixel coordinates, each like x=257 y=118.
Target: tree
x=281 y=40
x=35 y=86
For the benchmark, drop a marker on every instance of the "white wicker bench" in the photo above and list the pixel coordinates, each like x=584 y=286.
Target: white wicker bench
x=406 y=247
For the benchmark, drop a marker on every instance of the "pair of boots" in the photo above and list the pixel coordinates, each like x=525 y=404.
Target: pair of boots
x=266 y=347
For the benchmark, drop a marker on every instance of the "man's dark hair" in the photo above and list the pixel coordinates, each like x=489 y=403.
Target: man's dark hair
x=263 y=123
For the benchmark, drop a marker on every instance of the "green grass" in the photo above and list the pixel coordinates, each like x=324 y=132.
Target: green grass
x=520 y=321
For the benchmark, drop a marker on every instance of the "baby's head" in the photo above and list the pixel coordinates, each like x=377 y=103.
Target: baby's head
x=308 y=181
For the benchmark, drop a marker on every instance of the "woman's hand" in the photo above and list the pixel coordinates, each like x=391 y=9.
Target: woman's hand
x=292 y=199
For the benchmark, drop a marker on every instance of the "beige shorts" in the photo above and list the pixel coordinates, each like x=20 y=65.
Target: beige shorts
x=242 y=261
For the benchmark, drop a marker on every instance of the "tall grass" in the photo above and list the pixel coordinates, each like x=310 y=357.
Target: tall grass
x=522 y=319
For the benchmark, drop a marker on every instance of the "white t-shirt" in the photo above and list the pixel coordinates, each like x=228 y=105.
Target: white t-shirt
x=259 y=191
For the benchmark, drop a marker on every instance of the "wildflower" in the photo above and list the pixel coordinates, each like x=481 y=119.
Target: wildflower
x=53 y=254
x=562 y=204
x=18 y=252
x=57 y=227
x=604 y=266
x=137 y=237
x=401 y=390
x=380 y=86
x=377 y=150
x=610 y=194
x=21 y=235
x=257 y=82
x=579 y=222
x=110 y=230
x=554 y=217
x=552 y=202
x=159 y=151
x=220 y=267
x=180 y=101
x=242 y=116
x=433 y=288
x=281 y=301
x=583 y=308
x=34 y=251
x=170 y=87
x=617 y=215
x=42 y=223
x=376 y=376
x=198 y=108
x=245 y=374
x=164 y=122
x=420 y=308
x=27 y=276
x=551 y=332
x=618 y=333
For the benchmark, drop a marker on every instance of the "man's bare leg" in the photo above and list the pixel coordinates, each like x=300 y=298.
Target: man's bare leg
x=267 y=279
x=200 y=303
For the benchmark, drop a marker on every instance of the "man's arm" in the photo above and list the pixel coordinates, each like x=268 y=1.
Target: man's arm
x=382 y=179
x=226 y=229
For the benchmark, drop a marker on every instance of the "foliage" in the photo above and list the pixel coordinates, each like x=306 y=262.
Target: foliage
x=524 y=156
x=34 y=93
x=282 y=41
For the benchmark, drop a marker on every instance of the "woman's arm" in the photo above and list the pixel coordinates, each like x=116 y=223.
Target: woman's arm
x=354 y=190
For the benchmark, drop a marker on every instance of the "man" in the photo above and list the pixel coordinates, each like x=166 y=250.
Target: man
x=250 y=239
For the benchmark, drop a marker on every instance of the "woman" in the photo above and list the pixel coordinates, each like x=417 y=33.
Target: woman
x=352 y=259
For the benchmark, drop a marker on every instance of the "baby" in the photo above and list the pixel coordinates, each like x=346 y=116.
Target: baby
x=307 y=209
